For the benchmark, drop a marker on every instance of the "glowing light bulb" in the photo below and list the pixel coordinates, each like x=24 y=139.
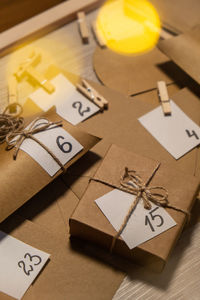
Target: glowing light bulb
x=129 y=26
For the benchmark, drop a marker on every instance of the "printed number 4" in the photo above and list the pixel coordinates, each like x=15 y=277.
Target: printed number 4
x=153 y=217
x=192 y=134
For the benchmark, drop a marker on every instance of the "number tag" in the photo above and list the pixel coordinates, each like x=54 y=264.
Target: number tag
x=177 y=133
x=61 y=144
x=70 y=104
x=20 y=265
x=143 y=224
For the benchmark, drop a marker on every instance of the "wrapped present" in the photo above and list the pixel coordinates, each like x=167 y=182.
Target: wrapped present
x=152 y=184
x=24 y=175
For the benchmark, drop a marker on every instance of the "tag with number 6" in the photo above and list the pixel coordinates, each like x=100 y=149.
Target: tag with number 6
x=60 y=143
x=143 y=224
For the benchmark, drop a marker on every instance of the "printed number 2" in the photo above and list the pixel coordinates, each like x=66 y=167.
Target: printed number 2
x=79 y=105
x=193 y=133
x=62 y=146
x=153 y=217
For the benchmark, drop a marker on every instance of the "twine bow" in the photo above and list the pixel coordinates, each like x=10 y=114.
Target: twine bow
x=132 y=183
x=16 y=138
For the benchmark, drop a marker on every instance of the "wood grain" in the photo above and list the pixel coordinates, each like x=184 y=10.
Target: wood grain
x=43 y=23
x=13 y=12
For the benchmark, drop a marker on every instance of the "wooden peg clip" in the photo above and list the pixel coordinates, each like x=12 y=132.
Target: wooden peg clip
x=12 y=94
x=98 y=36
x=165 y=34
x=164 y=97
x=26 y=68
x=92 y=95
x=83 y=27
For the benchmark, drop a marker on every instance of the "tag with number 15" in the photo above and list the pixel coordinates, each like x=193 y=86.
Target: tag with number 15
x=143 y=224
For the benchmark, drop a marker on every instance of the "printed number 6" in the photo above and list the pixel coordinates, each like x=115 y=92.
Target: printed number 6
x=62 y=146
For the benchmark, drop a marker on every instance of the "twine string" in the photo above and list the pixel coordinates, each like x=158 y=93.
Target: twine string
x=10 y=122
x=18 y=112
x=16 y=138
x=132 y=183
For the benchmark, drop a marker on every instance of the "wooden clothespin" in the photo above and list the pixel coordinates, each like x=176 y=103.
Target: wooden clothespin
x=12 y=93
x=26 y=68
x=83 y=27
x=92 y=95
x=164 y=97
x=98 y=36
x=165 y=34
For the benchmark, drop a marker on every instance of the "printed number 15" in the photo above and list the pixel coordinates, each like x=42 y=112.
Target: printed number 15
x=153 y=217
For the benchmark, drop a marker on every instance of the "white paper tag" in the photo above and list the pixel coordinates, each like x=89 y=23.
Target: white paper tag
x=177 y=133
x=70 y=104
x=58 y=141
x=143 y=224
x=20 y=264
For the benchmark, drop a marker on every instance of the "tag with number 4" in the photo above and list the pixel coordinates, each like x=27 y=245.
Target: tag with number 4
x=177 y=133
x=142 y=226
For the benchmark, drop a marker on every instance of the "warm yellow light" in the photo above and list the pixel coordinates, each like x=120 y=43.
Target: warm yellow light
x=129 y=26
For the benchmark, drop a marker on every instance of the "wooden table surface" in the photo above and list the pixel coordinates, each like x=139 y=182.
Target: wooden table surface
x=180 y=279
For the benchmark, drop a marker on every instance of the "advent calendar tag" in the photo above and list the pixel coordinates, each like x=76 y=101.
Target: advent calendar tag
x=70 y=104
x=143 y=224
x=177 y=133
x=20 y=265
x=58 y=141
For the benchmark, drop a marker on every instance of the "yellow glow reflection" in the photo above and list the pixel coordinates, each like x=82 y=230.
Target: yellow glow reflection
x=56 y=49
x=129 y=26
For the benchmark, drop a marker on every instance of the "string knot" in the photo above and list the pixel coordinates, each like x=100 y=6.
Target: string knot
x=16 y=138
x=132 y=183
x=26 y=133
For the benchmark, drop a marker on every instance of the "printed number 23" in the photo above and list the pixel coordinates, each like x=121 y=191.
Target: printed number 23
x=65 y=147
x=153 y=217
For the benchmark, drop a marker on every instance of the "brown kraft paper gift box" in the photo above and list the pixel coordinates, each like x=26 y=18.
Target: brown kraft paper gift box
x=22 y=178
x=88 y=222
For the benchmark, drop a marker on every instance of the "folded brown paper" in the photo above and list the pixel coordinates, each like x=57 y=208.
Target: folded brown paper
x=89 y=223
x=178 y=16
x=23 y=178
x=131 y=75
x=119 y=125
x=68 y=274
x=184 y=51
